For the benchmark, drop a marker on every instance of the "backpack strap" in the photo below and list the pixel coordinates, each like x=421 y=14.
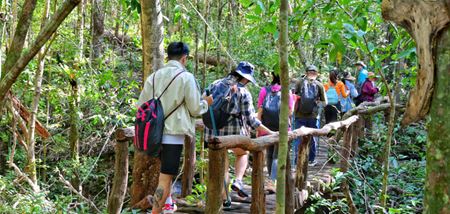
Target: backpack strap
x=174 y=110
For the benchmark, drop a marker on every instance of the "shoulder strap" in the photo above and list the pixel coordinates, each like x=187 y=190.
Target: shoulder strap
x=174 y=110
x=165 y=89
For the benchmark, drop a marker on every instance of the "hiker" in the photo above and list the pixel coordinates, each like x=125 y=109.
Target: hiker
x=180 y=95
x=361 y=73
x=347 y=103
x=369 y=88
x=243 y=116
x=269 y=102
x=335 y=91
x=311 y=95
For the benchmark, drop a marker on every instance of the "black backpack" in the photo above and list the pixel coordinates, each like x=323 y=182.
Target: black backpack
x=222 y=95
x=308 y=96
x=271 y=109
x=149 y=124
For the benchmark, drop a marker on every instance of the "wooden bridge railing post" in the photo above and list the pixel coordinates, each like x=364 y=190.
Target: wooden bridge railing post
x=289 y=206
x=258 y=197
x=189 y=166
x=345 y=158
x=302 y=163
x=216 y=175
x=120 y=181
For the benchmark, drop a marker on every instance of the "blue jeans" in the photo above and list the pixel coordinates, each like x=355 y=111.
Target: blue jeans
x=310 y=123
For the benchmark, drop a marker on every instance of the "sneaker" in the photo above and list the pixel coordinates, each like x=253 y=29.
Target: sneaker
x=239 y=188
x=227 y=204
x=169 y=208
x=312 y=163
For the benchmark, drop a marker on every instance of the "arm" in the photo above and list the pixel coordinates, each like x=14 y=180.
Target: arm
x=322 y=95
x=353 y=91
x=195 y=105
x=342 y=89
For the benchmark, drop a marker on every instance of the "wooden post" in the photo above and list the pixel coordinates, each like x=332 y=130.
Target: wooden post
x=345 y=157
x=289 y=206
x=354 y=133
x=120 y=180
x=216 y=169
x=258 y=196
x=189 y=166
x=302 y=163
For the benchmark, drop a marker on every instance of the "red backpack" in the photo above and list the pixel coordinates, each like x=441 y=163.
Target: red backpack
x=149 y=124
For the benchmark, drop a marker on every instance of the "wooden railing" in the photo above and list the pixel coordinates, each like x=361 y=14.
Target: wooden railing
x=351 y=127
x=217 y=158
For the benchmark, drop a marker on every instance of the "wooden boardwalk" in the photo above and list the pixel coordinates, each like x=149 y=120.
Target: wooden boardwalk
x=321 y=171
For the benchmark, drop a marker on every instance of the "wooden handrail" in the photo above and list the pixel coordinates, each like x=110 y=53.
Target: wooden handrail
x=260 y=143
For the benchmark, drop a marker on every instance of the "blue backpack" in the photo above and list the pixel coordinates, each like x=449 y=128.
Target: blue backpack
x=308 y=93
x=222 y=95
x=332 y=96
x=271 y=109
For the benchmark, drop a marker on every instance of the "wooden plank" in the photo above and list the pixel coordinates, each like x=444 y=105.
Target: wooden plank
x=302 y=163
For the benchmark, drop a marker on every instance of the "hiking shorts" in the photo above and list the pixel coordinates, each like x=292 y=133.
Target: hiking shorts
x=170 y=158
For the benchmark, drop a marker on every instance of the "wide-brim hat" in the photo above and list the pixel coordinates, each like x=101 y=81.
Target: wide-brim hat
x=312 y=68
x=372 y=75
x=349 y=77
x=247 y=70
x=360 y=63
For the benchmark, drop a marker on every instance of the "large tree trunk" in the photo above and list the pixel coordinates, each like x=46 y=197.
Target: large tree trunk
x=80 y=23
x=284 y=112
x=427 y=22
x=152 y=37
x=47 y=31
x=437 y=185
x=146 y=168
x=98 y=28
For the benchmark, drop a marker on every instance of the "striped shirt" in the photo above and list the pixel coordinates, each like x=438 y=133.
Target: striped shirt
x=242 y=111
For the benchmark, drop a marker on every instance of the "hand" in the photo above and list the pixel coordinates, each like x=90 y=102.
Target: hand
x=209 y=99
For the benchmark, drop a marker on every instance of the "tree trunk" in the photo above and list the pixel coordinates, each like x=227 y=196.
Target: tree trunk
x=145 y=168
x=31 y=165
x=205 y=43
x=20 y=34
x=438 y=150
x=152 y=37
x=97 y=28
x=50 y=27
x=284 y=111
x=73 y=132
x=81 y=18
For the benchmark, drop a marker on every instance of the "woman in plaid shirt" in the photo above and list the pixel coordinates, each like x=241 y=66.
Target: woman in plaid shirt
x=243 y=117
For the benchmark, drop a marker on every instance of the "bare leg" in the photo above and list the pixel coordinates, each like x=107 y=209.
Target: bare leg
x=161 y=193
x=241 y=162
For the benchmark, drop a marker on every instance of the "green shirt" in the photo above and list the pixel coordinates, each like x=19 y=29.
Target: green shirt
x=321 y=97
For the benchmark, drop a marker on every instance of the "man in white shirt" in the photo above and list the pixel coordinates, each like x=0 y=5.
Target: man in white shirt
x=183 y=97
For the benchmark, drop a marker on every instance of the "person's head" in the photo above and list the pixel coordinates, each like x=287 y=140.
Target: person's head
x=360 y=65
x=312 y=72
x=178 y=51
x=348 y=76
x=372 y=77
x=333 y=76
x=275 y=79
x=244 y=73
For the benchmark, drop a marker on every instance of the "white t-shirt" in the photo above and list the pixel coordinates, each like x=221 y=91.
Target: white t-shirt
x=173 y=139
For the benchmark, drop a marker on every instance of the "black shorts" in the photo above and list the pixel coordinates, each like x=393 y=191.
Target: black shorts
x=170 y=158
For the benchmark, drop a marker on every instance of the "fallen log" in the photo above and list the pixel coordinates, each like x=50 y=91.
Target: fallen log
x=25 y=115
